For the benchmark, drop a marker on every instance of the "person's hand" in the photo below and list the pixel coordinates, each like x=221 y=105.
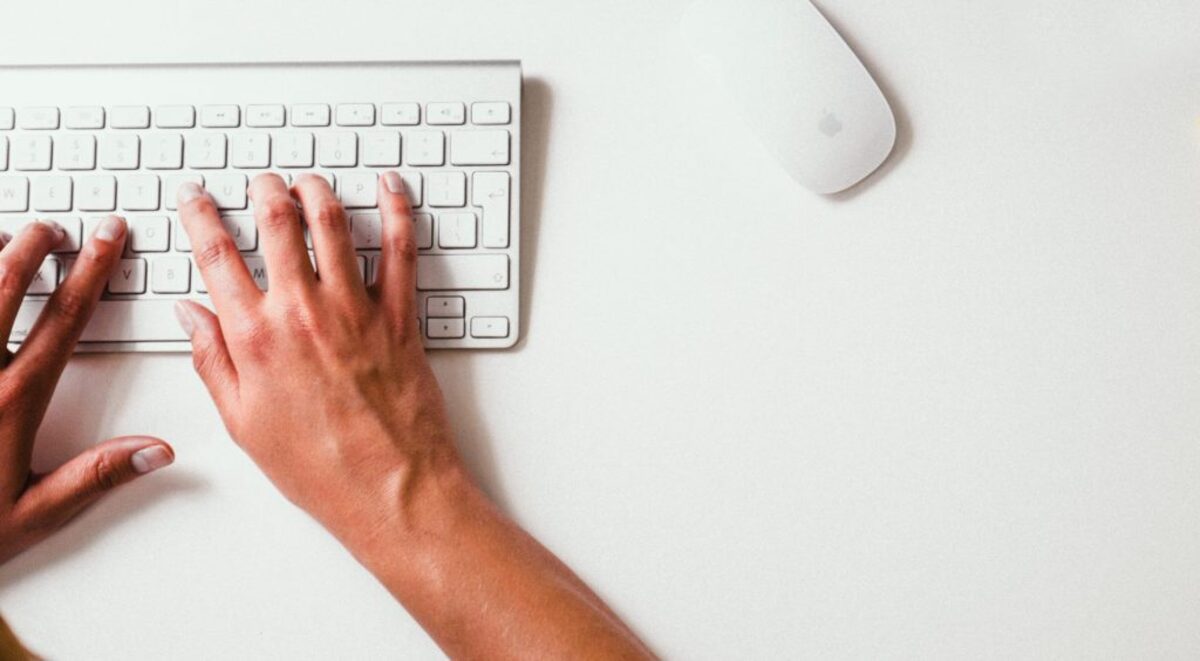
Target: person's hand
x=321 y=379
x=31 y=505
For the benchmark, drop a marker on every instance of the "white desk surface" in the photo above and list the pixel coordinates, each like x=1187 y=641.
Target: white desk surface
x=951 y=414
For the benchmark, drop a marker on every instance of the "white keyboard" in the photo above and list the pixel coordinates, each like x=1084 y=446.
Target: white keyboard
x=80 y=142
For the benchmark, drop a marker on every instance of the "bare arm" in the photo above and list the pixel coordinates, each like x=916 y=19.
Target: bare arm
x=324 y=382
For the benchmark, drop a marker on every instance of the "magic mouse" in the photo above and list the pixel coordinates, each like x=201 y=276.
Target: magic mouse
x=800 y=87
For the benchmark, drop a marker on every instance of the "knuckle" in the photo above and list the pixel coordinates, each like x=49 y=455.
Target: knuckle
x=68 y=303
x=277 y=212
x=11 y=281
x=302 y=320
x=404 y=249
x=105 y=474
x=253 y=336
x=329 y=214
x=10 y=396
x=216 y=252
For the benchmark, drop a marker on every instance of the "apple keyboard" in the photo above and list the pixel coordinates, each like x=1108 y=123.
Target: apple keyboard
x=78 y=143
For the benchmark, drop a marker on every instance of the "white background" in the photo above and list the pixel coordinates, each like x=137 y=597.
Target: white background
x=952 y=413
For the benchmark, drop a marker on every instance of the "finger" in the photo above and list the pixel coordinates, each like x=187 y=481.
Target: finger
x=45 y=352
x=282 y=237
x=57 y=497
x=19 y=262
x=210 y=355
x=229 y=283
x=337 y=265
x=395 y=285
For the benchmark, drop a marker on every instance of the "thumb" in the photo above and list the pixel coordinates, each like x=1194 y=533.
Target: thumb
x=210 y=355
x=58 y=496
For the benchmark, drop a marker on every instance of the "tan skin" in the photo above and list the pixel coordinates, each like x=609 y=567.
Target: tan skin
x=324 y=383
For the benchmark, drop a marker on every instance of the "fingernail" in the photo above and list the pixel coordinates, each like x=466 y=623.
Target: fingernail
x=184 y=315
x=188 y=191
x=110 y=229
x=393 y=182
x=58 y=229
x=151 y=459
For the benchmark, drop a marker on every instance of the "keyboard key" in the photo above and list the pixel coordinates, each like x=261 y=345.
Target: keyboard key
x=52 y=193
x=171 y=275
x=337 y=150
x=171 y=184
x=115 y=321
x=45 y=280
x=423 y=230
x=219 y=117
x=479 y=147
x=84 y=117
x=381 y=149
x=227 y=190
x=444 y=306
x=294 y=149
x=258 y=271
x=443 y=272
x=444 y=328
x=356 y=114
x=175 y=117
x=162 y=151
x=446 y=113
x=7 y=117
x=129 y=277
x=14 y=194
x=490 y=190
x=264 y=116
x=412 y=184
x=357 y=190
x=490 y=112
x=96 y=193
x=31 y=152
x=75 y=152
x=310 y=114
x=37 y=118
x=456 y=230
x=400 y=114
x=129 y=117
x=205 y=150
x=73 y=229
x=149 y=234
x=241 y=227
x=426 y=148
x=447 y=189
x=119 y=151
x=489 y=326
x=250 y=150
x=138 y=192
x=365 y=231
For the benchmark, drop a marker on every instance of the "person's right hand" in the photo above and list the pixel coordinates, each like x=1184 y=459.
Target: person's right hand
x=321 y=379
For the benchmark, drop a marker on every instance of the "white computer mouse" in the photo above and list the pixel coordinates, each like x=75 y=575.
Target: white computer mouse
x=801 y=88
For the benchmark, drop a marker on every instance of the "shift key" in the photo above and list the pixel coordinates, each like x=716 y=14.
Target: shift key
x=438 y=272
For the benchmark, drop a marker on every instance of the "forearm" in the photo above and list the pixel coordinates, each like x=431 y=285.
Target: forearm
x=479 y=585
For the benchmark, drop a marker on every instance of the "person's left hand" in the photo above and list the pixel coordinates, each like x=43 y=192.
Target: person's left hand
x=32 y=505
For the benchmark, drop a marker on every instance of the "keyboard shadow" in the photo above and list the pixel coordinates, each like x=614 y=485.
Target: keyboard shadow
x=537 y=102
x=455 y=369
x=76 y=412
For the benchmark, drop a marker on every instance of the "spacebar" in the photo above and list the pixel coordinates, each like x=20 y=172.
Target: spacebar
x=151 y=320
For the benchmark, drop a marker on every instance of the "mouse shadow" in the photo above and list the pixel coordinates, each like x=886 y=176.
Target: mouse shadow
x=904 y=129
x=456 y=369
x=77 y=413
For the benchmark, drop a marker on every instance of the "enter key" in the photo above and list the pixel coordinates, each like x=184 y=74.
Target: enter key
x=490 y=192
